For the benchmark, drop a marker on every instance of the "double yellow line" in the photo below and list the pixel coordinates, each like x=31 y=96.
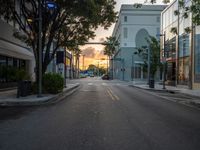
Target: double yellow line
x=112 y=95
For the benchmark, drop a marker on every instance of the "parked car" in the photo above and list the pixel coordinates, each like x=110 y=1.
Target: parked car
x=105 y=77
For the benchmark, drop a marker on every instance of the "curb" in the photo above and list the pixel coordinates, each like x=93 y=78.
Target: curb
x=54 y=99
x=187 y=103
x=153 y=89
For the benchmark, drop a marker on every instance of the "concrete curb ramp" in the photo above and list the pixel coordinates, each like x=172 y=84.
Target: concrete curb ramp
x=33 y=100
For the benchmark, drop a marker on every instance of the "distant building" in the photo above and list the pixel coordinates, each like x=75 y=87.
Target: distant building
x=135 y=23
x=182 y=49
x=61 y=64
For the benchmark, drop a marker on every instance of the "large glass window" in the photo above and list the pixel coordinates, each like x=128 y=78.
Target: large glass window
x=184 y=57
x=197 y=56
x=3 y=63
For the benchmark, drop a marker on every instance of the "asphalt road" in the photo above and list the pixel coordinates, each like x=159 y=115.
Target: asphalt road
x=102 y=115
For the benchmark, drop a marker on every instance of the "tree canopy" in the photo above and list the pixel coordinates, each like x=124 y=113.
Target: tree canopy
x=110 y=47
x=69 y=23
x=184 y=9
x=154 y=47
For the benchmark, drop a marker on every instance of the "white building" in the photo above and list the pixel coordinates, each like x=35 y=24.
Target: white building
x=135 y=23
x=14 y=54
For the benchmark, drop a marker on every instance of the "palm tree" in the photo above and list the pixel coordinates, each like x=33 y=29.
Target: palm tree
x=110 y=47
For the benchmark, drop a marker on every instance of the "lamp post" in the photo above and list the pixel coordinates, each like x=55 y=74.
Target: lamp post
x=49 y=5
x=83 y=61
x=107 y=65
x=98 y=68
x=123 y=69
x=164 y=60
x=40 y=49
x=133 y=65
x=149 y=66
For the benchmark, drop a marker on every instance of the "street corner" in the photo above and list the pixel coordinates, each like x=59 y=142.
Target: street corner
x=33 y=100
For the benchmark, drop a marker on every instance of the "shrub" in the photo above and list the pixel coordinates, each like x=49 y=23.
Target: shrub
x=53 y=83
x=21 y=74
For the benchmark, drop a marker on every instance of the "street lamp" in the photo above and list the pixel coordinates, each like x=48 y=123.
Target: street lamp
x=149 y=65
x=133 y=66
x=83 y=62
x=40 y=49
x=49 y=5
x=164 y=60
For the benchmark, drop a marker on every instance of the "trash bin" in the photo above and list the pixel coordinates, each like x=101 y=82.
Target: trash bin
x=151 y=83
x=24 y=88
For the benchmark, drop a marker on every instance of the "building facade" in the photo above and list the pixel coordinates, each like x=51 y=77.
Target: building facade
x=14 y=55
x=135 y=24
x=180 y=48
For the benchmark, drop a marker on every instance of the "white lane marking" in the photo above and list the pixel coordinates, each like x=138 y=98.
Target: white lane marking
x=90 y=83
x=104 y=83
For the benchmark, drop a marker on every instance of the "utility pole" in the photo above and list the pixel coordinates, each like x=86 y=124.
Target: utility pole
x=83 y=62
x=65 y=69
x=98 y=68
x=107 y=63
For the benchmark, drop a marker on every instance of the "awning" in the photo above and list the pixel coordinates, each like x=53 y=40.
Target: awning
x=12 y=50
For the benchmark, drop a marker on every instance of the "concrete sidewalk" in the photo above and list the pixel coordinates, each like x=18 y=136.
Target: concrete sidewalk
x=9 y=98
x=194 y=95
x=159 y=87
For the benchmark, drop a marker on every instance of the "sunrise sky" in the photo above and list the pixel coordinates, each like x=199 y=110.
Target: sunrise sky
x=94 y=53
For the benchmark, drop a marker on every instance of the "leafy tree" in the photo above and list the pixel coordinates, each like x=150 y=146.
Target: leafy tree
x=154 y=46
x=70 y=24
x=110 y=47
x=184 y=10
x=102 y=70
x=96 y=70
x=92 y=67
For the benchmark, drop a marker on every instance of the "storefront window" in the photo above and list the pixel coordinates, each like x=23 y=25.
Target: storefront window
x=197 y=56
x=2 y=68
x=9 y=67
x=184 y=57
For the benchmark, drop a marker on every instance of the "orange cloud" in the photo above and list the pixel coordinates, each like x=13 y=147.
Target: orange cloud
x=93 y=56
